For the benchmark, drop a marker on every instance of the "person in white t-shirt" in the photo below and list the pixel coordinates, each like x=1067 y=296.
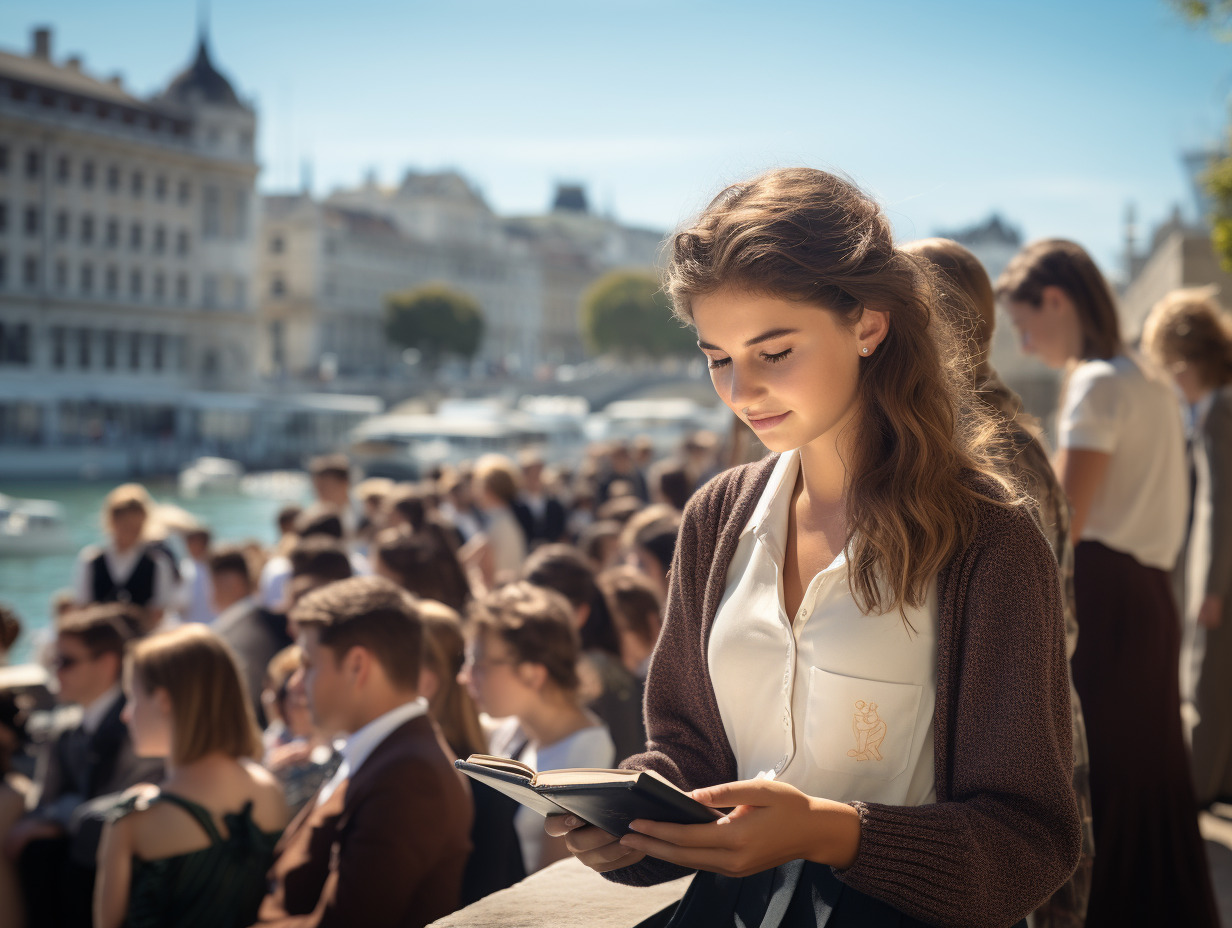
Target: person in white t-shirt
x=1122 y=464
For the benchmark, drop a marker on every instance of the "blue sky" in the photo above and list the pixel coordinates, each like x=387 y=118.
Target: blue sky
x=1055 y=113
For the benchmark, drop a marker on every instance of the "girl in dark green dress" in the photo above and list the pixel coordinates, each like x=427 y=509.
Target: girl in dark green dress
x=195 y=849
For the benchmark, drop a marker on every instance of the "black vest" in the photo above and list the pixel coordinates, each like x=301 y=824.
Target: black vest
x=138 y=589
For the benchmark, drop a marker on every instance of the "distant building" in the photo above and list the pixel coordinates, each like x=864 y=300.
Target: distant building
x=1180 y=254
x=126 y=263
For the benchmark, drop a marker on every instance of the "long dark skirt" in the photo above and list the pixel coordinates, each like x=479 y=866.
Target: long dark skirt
x=798 y=894
x=1150 y=862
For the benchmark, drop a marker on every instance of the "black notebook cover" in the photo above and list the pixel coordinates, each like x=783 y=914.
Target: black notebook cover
x=610 y=806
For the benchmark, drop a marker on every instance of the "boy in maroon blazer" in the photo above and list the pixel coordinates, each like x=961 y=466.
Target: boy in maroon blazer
x=385 y=841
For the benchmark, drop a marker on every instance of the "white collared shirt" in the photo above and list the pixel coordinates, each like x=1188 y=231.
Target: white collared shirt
x=362 y=743
x=837 y=703
x=92 y=715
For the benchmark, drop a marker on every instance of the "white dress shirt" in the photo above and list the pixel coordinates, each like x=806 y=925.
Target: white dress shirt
x=836 y=703
x=362 y=743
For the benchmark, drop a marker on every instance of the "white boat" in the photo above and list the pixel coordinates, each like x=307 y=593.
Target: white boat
x=666 y=421
x=32 y=528
x=289 y=485
x=211 y=475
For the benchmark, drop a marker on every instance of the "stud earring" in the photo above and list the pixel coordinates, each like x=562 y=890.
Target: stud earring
x=864 y=350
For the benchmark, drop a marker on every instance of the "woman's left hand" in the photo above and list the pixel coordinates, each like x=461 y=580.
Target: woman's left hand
x=770 y=824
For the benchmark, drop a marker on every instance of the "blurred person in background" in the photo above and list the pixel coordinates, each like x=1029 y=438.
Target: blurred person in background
x=500 y=547
x=386 y=839
x=1122 y=465
x=421 y=564
x=620 y=468
x=285 y=521
x=371 y=494
x=521 y=669
x=125 y=569
x=10 y=630
x=253 y=633
x=540 y=513
x=600 y=543
x=317 y=521
x=648 y=541
x=969 y=306
x=297 y=752
x=458 y=504
x=331 y=484
x=606 y=687
x=196 y=596
x=1188 y=334
x=637 y=613
x=164 y=861
x=87 y=756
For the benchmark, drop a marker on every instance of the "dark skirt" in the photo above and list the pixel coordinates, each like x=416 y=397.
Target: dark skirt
x=1150 y=862
x=798 y=894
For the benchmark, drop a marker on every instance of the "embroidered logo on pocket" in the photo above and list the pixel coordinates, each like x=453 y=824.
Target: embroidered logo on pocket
x=870 y=731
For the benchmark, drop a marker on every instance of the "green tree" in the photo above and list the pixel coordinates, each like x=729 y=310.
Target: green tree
x=436 y=321
x=1216 y=17
x=627 y=313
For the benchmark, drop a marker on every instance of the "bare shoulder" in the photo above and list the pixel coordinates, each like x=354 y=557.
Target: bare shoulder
x=269 y=804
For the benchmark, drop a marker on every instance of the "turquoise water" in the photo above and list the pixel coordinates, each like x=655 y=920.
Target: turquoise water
x=27 y=584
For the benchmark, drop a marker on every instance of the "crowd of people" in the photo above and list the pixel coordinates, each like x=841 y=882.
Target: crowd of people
x=929 y=672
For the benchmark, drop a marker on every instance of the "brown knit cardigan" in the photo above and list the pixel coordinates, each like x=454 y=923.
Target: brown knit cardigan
x=1004 y=831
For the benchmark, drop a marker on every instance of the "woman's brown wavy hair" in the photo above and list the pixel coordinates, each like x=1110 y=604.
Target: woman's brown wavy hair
x=805 y=235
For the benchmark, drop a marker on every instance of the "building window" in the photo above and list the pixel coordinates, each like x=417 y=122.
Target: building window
x=61 y=276
x=160 y=187
x=277 y=245
x=278 y=286
x=109 y=350
x=160 y=240
x=134 y=237
x=83 y=348
x=134 y=351
x=31 y=224
x=181 y=289
x=86 y=278
x=113 y=281
x=64 y=169
x=4 y=268
x=30 y=272
x=4 y=159
x=87 y=175
x=160 y=346
x=211 y=223
x=135 y=284
x=113 y=233
x=185 y=192
x=15 y=344
x=181 y=243
x=113 y=179
x=87 y=229
x=4 y=217
x=57 y=347
x=34 y=163
x=138 y=185
x=160 y=286
x=209 y=291
x=241 y=214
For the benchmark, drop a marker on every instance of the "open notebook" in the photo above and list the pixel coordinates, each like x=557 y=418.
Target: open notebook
x=610 y=799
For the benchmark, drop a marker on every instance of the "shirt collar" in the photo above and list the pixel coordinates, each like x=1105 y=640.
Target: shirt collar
x=92 y=715
x=365 y=741
x=775 y=496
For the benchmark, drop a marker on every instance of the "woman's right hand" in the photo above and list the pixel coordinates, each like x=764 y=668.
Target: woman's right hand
x=591 y=845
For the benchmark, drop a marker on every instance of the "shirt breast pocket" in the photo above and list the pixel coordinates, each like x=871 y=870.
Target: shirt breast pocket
x=861 y=727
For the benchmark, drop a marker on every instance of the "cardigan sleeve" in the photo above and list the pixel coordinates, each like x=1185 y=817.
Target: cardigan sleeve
x=1006 y=833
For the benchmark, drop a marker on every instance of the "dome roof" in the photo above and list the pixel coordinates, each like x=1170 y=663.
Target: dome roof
x=201 y=81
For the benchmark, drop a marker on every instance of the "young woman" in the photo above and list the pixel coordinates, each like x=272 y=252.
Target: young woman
x=1188 y=334
x=1122 y=465
x=863 y=652
x=195 y=850
x=521 y=668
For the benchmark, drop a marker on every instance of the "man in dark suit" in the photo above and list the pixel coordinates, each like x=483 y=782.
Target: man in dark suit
x=385 y=841
x=254 y=634
x=541 y=515
x=87 y=757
